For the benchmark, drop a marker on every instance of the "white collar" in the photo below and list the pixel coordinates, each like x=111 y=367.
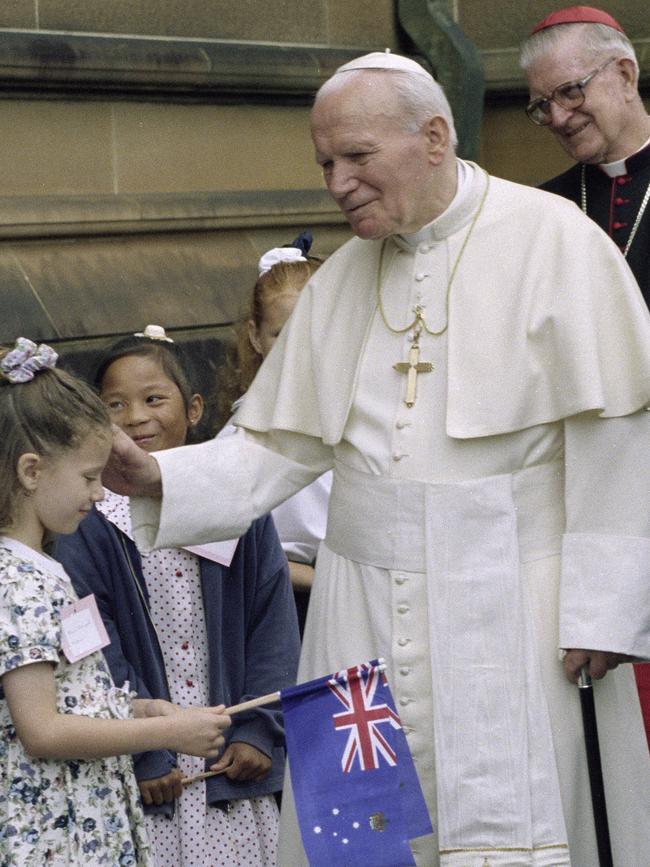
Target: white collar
x=471 y=184
x=38 y=558
x=618 y=167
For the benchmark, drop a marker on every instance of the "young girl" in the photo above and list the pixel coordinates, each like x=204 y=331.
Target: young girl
x=196 y=626
x=67 y=791
x=302 y=519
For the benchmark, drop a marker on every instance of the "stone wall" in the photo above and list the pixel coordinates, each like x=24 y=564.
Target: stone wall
x=151 y=150
x=329 y=22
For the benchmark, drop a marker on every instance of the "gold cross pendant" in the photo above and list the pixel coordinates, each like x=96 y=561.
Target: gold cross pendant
x=411 y=368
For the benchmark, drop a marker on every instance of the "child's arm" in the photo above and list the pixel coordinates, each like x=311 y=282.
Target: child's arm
x=45 y=733
x=301 y=575
x=147 y=707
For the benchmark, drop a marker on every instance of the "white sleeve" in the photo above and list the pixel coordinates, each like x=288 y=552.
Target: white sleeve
x=605 y=590
x=214 y=490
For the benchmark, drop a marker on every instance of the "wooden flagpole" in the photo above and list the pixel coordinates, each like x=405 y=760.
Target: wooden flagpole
x=236 y=708
x=247 y=705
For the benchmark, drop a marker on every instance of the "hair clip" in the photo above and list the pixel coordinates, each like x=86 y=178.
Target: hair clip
x=154 y=332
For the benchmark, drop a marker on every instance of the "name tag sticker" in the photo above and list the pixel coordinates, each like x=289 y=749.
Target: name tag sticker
x=82 y=630
x=218 y=552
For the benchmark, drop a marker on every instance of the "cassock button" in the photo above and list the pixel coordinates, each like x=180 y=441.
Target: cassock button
x=403 y=609
x=403 y=641
x=619 y=200
x=178 y=573
x=189 y=682
x=397 y=456
x=623 y=179
x=420 y=276
x=400 y=579
x=404 y=701
x=618 y=225
x=185 y=645
x=404 y=671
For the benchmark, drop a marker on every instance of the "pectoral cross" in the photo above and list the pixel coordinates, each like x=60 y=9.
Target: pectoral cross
x=412 y=367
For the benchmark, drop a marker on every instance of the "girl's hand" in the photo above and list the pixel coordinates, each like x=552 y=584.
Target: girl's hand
x=197 y=731
x=162 y=790
x=243 y=762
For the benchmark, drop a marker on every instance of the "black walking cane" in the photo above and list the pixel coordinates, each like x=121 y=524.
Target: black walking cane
x=595 y=769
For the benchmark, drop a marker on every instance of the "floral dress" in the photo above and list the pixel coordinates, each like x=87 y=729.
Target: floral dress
x=60 y=812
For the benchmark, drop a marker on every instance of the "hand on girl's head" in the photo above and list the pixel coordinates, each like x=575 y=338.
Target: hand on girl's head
x=130 y=470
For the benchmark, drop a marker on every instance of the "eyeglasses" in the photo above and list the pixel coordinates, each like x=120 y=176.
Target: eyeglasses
x=569 y=96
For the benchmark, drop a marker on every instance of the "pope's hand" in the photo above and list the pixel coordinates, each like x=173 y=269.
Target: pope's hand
x=598 y=663
x=130 y=470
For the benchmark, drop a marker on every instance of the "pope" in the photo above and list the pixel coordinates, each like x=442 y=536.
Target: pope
x=488 y=510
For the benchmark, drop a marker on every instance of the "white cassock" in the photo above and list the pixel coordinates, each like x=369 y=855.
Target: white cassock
x=503 y=516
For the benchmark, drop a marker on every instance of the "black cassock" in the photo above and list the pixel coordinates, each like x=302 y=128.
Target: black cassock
x=614 y=203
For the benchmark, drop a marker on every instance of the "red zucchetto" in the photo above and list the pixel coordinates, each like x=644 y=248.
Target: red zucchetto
x=577 y=15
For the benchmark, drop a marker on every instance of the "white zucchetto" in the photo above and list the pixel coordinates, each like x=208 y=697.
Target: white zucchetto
x=384 y=60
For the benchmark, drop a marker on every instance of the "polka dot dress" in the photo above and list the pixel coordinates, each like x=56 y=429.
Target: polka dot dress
x=197 y=835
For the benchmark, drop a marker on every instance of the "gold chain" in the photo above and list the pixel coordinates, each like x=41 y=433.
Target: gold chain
x=419 y=319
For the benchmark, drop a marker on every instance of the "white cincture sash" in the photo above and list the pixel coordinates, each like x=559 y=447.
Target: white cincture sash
x=497 y=785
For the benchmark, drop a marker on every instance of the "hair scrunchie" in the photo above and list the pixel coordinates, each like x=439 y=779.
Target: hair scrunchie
x=27 y=359
x=296 y=251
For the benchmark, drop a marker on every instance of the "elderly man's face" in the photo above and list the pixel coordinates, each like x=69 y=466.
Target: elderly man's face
x=378 y=173
x=596 y=131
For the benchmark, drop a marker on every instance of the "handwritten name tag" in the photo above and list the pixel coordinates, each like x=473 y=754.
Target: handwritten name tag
x=82 y=630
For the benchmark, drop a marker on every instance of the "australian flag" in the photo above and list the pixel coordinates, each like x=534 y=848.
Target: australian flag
x=357 y=795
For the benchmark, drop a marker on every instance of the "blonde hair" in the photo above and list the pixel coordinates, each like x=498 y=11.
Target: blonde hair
x=50 y=414
x=243 y=360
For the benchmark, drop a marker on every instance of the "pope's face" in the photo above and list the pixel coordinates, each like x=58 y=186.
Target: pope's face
x=378 y=172
x=598 y=130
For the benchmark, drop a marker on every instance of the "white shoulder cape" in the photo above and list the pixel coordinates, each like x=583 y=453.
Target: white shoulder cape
x=545 y=321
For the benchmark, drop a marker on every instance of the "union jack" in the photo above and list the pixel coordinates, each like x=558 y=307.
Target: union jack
x=355 y=688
